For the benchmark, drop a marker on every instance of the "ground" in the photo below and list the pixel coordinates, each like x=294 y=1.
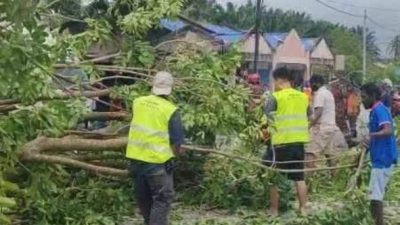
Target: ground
x=322 y=199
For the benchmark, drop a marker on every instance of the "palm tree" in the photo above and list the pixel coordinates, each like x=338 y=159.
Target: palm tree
x=372 y=48
x=394 y=47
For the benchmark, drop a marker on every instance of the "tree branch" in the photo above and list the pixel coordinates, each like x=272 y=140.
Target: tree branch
x=34 y=151
x=106 y=116
x=87 y=94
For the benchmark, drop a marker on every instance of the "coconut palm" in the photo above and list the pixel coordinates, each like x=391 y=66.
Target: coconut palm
x=394 y=47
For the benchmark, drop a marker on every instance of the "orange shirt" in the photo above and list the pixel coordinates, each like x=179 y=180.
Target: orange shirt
x=308 y=92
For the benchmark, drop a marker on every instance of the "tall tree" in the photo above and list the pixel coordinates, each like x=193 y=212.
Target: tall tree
x=394 y=47
x=372 y=49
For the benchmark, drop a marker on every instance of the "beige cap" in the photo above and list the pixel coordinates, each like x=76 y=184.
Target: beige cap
x=162 y=83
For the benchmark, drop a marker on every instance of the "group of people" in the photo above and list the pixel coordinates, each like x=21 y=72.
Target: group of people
x=299 y=127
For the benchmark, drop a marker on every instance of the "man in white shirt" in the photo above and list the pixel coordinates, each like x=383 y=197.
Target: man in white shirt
x=325 y=137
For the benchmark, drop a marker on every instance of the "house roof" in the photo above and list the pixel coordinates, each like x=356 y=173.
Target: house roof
x=309 y=43
x=172 y=25
x=221 y=30
x=230 y=38
x=229 y=35
x=274 y=39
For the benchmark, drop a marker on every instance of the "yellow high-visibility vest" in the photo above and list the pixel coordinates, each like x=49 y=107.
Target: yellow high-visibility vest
x=148 y=135
x=290 y=118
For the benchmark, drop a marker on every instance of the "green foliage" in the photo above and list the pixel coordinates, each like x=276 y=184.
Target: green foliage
x=231 y=184
x=145 y=16
x=210 y=105
x=59 y=196
x=23 y=44
x=136 y=53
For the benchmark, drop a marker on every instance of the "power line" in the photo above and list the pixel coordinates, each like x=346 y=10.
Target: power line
x=356 y=15
x=364 y=7
x=339 y=10
x=382 y=26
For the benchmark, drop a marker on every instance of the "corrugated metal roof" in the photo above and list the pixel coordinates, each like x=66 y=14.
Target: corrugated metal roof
x=309 y=43
x=231 y=38
x=274 y=39
x=172 y=25
x=229 y=35
x=220 y=30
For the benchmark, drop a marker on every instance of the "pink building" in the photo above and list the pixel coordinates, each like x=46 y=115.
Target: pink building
x=304 y=56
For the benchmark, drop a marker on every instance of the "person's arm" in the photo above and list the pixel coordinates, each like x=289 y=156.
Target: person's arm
x=309 y=112
x=316 y=116
x=176 y=133
x=270 y=107
x=385 y=131
x=318 y=104
x=385 y=123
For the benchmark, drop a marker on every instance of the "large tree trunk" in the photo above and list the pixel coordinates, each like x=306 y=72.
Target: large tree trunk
x=43 y=149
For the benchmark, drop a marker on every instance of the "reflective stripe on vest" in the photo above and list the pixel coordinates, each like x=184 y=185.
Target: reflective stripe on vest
x=290 y=118
x=148 y=134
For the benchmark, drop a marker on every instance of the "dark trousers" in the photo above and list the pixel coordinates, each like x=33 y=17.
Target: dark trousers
x=154 y=192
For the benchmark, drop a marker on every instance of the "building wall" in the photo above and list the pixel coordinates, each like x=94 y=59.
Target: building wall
x=291 y=51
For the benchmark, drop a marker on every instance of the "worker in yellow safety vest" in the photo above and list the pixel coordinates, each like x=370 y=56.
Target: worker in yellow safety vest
x=155 y=137
x=288 y=109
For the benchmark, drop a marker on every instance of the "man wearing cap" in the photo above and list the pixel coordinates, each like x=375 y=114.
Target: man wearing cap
x=155 y=138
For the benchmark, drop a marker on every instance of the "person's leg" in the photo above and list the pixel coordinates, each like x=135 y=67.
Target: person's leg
x=274 y=200
x=275 y=154
x=162 y=191
x=310 y=162
x=301 y=189
x=332 y=163
x=376 y=208
x=143 y=196
x=313 y=149
x=378 y=182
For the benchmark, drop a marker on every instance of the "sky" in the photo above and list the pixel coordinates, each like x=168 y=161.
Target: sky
x=385 y=14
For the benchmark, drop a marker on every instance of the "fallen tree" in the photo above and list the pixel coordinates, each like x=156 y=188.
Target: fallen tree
x=50 y=150
x=7 y=105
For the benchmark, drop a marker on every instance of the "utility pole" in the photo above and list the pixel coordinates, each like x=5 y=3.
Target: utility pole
x=365 y=46
x=257 y=36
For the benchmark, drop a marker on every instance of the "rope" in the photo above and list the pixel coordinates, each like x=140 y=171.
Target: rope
x=305 y=161
x=251 y=161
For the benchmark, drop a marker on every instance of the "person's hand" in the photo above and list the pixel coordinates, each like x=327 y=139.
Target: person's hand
x=182 y=151
x=179 y=151
x=365 y=142
x=265 y=134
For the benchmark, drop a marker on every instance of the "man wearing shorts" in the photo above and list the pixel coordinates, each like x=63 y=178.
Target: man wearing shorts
x=382 y=146
x=287 y=108
x=325 y=137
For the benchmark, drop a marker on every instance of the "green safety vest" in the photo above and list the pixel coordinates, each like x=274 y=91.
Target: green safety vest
x=290 y=118
x=148 y=135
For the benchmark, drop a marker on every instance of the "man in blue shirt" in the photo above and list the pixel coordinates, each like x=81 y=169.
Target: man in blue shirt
x=382 y=146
